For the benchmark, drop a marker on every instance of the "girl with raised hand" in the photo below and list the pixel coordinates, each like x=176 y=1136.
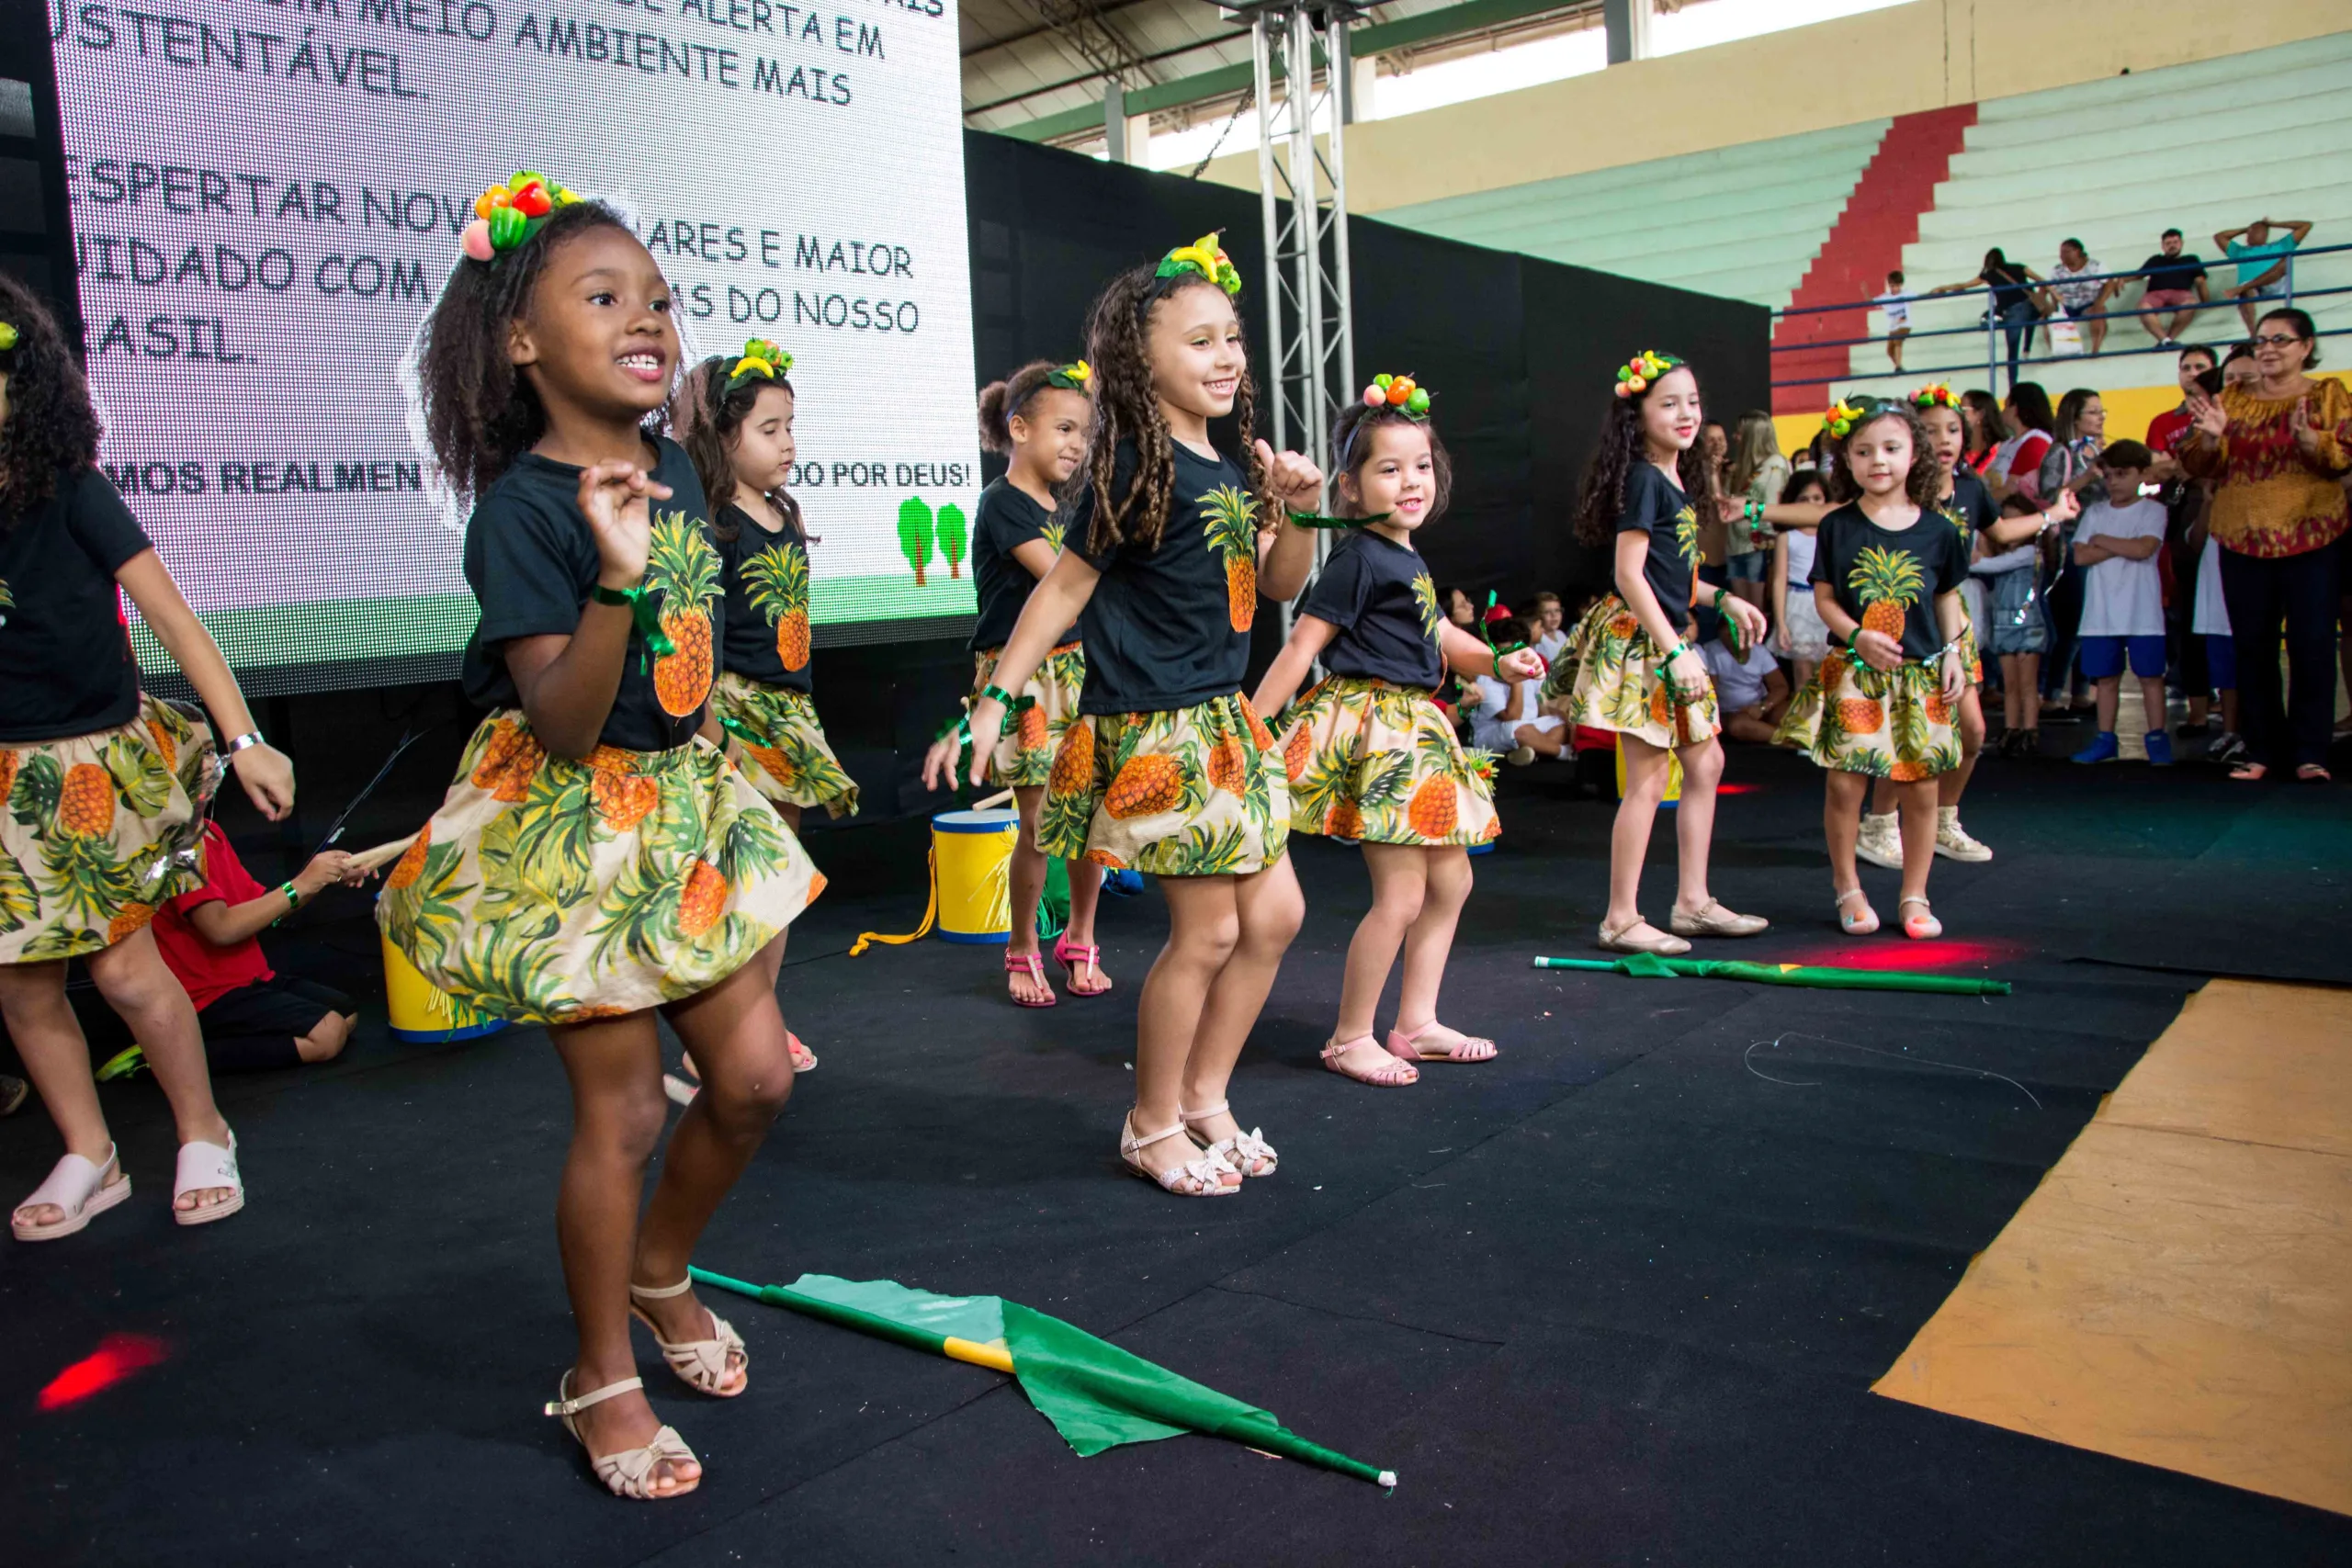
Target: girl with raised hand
x=1367 y=754
x=1040 y=417
x=1886 y=575
x=1168 y=769
x=597 y=857
x=103 y=788
x=1964 y=502
x=1631 y=666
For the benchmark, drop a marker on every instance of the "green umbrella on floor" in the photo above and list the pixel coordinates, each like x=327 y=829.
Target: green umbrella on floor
x=1097 y=1395
x=1650 y=966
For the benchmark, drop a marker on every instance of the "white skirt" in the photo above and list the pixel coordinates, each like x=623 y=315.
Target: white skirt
x=2212 y=616
x=1808 y=638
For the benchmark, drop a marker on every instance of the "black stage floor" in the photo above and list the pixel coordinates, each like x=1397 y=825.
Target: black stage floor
x=1617 y=1297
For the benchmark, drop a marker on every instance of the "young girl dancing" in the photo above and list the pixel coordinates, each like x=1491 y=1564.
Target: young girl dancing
x=103 y=788
x=1367 y=754
x=596 y=858
x=1630 y=666
x=1964 y=502
x=1886 y=575
x=1040 y=415
x=1166 y=768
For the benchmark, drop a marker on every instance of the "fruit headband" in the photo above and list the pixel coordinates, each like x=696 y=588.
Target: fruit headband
x=1844 y=416
x=8 y=337
x=1935 y=394
x=1075 y=377
x=1202 y=258
x=759 y=361
x=1635 y=374
x=1400 y=392
x=505 y=217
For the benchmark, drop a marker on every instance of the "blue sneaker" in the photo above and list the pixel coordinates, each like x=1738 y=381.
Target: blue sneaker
x=2159 y=749
x=2105 y=749
x=1125 y=882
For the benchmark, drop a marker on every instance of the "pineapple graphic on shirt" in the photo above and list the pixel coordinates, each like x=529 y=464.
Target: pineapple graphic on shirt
x=1425 y=604
x=683 y=568
x=1887 y=582
x=1233 y=534
x=777 y=580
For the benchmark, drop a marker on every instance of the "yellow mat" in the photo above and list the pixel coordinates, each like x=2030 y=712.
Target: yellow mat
x=2178 y=1290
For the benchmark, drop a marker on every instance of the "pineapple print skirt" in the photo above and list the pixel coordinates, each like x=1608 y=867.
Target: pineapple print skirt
x=1377 y=762
x=97 y=831
x=552 y=891
x=773 y=735
x=1607 y=678
x=1025 y=753
x=1888 y=723
x=1194 y=792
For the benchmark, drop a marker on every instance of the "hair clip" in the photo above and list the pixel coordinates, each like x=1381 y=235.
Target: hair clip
x=759 y=361
x=8 y=337
x=1935 y=394
x=1635 y=374
x=1206 y=257
x=1402 y=393
x=505 y=217
x=1075 y=377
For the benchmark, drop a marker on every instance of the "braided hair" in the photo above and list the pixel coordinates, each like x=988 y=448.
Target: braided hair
x=1623 y=447
x=708 y=422
x=51 y=430
x=1127 y=409
x=479 y=412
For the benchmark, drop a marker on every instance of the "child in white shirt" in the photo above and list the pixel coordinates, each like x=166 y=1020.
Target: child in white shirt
x=1551 y=633
x=2123 y=604
x=1897 y=306
x=1750 y=690
x=1507 y=719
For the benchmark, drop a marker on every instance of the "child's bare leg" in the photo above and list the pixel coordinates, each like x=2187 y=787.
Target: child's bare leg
x=618 y=1109
x=1269 y=909
x=150 y=1000
x=1842 y=796
x=2030 y=677
x=1431 y=938
x=1543 y=742
x=1629 y=838
x=57 y=1059
x=2230 y=710
x=1085 y=897
x=2012 y=700
x=1203 y=929
x=1400 y=887
x=1027 y=880
x=1916 y=801
x=2152 y=697
x=1882 y=796
x=1694 y=823
x=1950 y=786
x=2108 y=691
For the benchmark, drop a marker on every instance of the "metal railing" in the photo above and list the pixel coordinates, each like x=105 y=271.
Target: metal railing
x=1994 y=329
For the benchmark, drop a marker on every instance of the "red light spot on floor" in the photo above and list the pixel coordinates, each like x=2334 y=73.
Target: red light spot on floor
x=117 y=1357
x=1878 y=954
x=1739 y=789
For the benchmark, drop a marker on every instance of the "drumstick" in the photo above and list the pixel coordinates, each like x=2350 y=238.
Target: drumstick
x=382 y=855
x=998 y=798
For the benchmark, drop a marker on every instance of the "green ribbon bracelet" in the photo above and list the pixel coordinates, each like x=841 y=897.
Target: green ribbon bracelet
x=742 y=731
x=647 y=618
x=1006 y=700
x=1312 y=520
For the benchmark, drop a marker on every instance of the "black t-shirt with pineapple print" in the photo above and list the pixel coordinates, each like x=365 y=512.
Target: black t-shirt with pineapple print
x=1379 y=594
x=1900 y=569
x=531 y=562
x=65 y=663
x=1656 y=505
x=767 y=601
x=1008 y=518
x=1170 y=629
x=1970 y=506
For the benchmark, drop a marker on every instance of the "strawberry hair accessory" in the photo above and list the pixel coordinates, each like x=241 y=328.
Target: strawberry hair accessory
x=1935 y=394
x=506 y=216
x=1075 y=377
x=1202 y=258
x=759 y=361
x=1402 y=393
x=1634 y=377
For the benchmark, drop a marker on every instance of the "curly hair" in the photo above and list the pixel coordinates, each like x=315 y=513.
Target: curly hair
x=52 y=431
x=1351 y=449
x=1922 y=485
x=708 y=422
x=479 y=410
x=1000 y=401
x=1621 y=449
x=1126 y=409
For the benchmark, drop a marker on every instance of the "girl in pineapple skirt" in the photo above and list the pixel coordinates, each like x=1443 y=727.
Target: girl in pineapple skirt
x=1039 y=415
x=597 y=857
x=1368 y=755
x=1629 y=665
x=103 y=789
x=1168 y=768
x=1887 y=570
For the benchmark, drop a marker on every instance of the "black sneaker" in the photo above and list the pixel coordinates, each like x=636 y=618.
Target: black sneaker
x=2228 y=747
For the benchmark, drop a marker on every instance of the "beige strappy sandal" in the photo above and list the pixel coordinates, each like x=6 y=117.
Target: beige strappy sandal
x=1203 y=1177
x=1248 y=1153
x=628 y=1473
x=701 y=1364
x=1388 y=1072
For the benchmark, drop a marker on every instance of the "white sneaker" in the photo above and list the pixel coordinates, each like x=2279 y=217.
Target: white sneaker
x=1952 y=841
x=1881 y=841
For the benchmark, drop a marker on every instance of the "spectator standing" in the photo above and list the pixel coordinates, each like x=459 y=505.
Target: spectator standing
x=1897 y=306
x=2262 y=255
x=1980 y=415
x=1714 y=538
x=1758 y=473
x=2015 y=629
x=2016 y=462
x=2177 y=283
x=2277 y=447
x=2076 y=437
x=1797 y=628
x=2201 y=655
x=2013 y=309
x=2080 y=293
x=2123 y=604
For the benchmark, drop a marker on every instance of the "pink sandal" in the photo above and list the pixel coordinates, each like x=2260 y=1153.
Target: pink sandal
x=1465 y=1047
x=803 y=1058
x=1390 y=1074
x=1070 y=955
x=1033 y=965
